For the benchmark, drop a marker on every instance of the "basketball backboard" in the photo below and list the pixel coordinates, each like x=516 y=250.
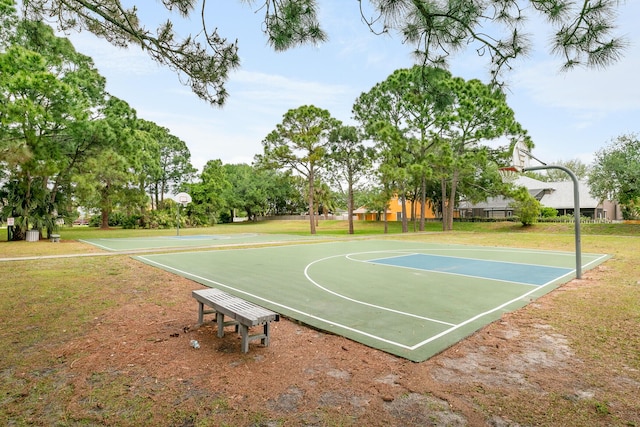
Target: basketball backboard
x=183 y=198
x=520 y=156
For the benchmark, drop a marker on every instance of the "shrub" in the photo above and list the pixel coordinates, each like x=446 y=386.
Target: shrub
x=526 y=207
x=547 y=212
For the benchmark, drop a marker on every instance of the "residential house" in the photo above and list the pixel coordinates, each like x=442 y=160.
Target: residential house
x=557 y=195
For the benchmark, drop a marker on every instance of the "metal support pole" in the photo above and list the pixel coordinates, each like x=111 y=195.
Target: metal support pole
x=576 y=210
x=178 y=221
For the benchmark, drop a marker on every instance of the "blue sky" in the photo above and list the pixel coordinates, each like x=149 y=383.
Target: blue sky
x=569 y=115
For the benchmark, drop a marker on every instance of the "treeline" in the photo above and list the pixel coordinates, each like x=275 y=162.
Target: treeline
x=65 y=142
x=420 y=135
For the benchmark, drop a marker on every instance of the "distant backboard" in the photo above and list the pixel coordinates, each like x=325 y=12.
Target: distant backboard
x=183 y=198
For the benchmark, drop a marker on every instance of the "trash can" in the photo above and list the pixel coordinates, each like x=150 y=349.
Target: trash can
x=33 y=235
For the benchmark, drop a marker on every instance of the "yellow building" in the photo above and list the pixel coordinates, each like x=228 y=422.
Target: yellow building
x=394 y=211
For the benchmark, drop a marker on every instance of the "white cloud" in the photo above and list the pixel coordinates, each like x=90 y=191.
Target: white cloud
x=271 y=86
x=257 y=103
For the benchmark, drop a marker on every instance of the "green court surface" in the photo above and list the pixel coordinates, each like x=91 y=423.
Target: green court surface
x=410 y=299
x=195 y=241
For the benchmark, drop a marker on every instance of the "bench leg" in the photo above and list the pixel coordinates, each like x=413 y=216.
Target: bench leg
x=265 y=339
x=244 y=331
x=246 y=338
x=220 y=322
x=200 y=313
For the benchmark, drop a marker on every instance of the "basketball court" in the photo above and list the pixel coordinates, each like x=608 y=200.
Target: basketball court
x=410 y=299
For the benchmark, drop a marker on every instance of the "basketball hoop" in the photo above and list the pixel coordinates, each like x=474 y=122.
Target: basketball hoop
x=183 y=198
x=520 y=157
x=519 y=161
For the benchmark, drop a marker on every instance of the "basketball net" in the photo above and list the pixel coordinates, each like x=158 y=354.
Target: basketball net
x=509 y=174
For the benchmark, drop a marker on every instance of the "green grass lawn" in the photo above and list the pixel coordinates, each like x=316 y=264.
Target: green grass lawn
x=339 y=228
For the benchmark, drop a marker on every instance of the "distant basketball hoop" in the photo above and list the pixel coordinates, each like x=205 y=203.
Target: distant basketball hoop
x=182 y=199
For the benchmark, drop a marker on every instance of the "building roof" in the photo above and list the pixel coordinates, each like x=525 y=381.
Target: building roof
x=493 y=203
x=558 y=194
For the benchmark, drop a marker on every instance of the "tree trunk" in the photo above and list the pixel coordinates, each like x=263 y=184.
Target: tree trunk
x=104 y=223
x=405 y=226
x=162 y=190
x=350 y=207
x=452 y=198
x=386 y=223
x=445 y=211
x=414 y=216
x=312 y=223
x=423 y=202
x=449 y=202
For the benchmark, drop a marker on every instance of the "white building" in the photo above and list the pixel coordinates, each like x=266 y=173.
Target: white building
x=557 y=195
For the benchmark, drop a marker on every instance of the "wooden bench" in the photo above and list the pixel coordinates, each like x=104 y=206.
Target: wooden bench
x=244 y=314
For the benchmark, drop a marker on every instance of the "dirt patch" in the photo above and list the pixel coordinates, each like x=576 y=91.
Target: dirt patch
x=139 y=354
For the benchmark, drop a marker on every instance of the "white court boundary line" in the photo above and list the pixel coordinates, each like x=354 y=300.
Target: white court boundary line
x=453 y=327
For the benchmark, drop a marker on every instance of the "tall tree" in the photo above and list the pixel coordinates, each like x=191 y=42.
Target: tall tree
x=110 y=177
x=402 y=114
x=300 y=144
x=104 y=183
x=49 y=97
x=249 y=189
x=394 y=158
x=208 y=194
x=285 y=195
x=169 y=163
x=616 y=173
x=583 y=33
x=349 y=161
x=478 y=113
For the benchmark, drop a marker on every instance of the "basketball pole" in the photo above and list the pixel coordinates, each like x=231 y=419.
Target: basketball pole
x=576 y=210
x=178 y=220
